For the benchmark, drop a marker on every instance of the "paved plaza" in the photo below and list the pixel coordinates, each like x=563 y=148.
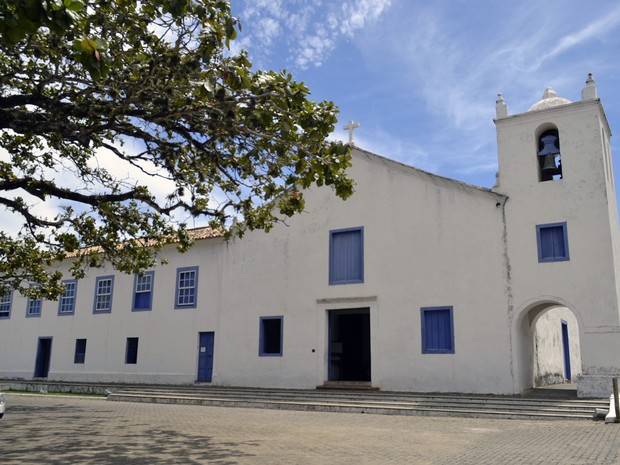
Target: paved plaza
x=72 y=430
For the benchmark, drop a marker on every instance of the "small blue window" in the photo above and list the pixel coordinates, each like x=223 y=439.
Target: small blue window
x=346 y=256
x=270 y=339
x=80 y=351
x=66 y=303
x=131 y=351
x=33 y=308
x=104 y=288
x=143 y=291
x=5 y=305
x=552 y=242
x=186 y=290
x=437 y=330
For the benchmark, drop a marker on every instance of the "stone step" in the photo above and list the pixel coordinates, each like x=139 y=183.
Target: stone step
x=378 y=397
x=388 y=403
x=287 y=393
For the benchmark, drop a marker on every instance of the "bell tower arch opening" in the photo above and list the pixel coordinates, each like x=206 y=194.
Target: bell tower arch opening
x=548 y=154
x=548 y=346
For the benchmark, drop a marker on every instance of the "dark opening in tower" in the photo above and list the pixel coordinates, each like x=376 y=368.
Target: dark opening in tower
x=549 y=158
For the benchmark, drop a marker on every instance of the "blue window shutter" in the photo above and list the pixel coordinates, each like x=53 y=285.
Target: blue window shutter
x=346 y=256
x=546 y=243
x=142 y=301
x=437 y=330
x=552 y=242
x=558 y=242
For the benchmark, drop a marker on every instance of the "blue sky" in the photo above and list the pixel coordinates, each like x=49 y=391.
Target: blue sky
x=422 y=77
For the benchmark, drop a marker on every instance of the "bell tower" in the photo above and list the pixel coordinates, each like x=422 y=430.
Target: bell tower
x=561 y=228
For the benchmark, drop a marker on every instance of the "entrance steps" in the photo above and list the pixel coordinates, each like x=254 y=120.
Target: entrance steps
x=373 y=402
x=348 y=386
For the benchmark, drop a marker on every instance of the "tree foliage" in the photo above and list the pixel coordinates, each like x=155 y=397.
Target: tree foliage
x=148 y=89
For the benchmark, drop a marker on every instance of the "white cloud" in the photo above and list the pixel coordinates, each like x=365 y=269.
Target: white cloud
x=49 y=208
x=595 y=30
x=445 y=58
x=456 y=64
x=357 y=14
x=309 y=31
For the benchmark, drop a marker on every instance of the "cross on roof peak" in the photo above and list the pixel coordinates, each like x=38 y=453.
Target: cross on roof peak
x=351 y=126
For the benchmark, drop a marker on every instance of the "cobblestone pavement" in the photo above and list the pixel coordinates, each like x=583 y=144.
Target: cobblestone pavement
x=60 y=430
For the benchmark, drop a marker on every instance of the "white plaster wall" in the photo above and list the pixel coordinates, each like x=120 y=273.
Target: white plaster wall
x=168 y=338
x=428 y=242
x=549 y=347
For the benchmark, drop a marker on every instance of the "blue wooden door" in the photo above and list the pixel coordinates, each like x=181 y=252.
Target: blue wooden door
x=205 y=356
x=565 y=343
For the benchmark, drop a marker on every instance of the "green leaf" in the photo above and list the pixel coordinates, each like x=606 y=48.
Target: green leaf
x=101 y=44
x=73 y=5
x=87 y=46
x=56 y=4
x=208 y=87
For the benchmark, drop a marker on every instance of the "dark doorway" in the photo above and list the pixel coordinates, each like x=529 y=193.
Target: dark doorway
x=349 y=345
x=44 y=353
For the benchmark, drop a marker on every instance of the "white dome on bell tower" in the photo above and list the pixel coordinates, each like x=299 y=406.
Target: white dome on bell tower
x=549 y=99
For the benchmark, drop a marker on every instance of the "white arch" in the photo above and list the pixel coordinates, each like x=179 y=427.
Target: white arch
x=522 y=323
x=545 y=301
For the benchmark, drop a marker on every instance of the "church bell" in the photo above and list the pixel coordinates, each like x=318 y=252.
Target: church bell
x=550 y=146
x=549 y=151
x=549 y=166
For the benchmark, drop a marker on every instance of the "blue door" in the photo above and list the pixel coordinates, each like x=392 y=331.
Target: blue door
x=205 y=356
x=567 y=373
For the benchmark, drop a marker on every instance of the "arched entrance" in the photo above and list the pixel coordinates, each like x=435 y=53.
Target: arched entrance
x=546 y=344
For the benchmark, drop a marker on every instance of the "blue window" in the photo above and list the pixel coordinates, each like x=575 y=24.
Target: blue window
x=552 y=242
x=33 y=307
x=131 y=351
x=270 y=339
x=143 y=291
x=104 y=288
x=5 y=305
x=66 y=303
x=346 y=256
x=186 y=292
x=437 y=330
x=80 y=351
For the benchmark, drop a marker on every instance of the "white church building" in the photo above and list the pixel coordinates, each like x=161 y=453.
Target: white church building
x=415 y=283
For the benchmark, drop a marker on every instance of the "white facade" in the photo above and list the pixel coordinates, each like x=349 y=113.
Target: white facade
x=416 y=283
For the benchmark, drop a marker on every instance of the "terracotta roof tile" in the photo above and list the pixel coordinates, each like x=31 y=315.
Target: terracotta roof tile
x=195 y=234
x=204 y=233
